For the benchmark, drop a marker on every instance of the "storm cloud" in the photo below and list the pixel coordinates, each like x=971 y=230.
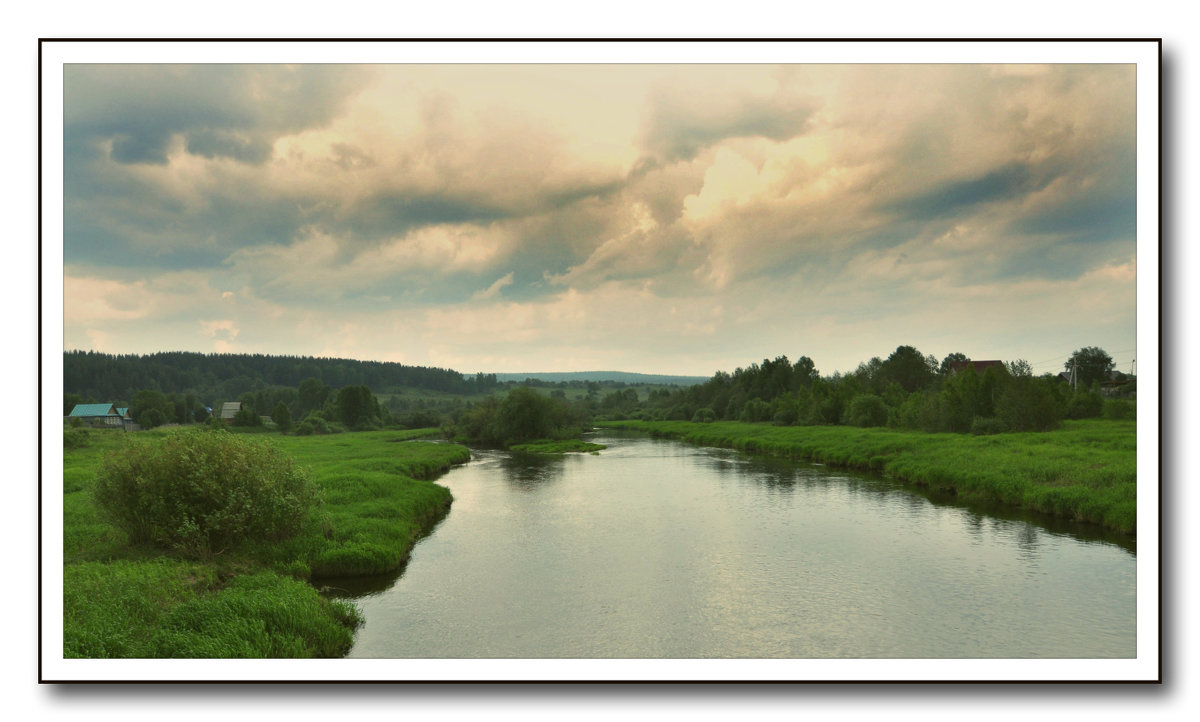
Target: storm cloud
x=653 y=218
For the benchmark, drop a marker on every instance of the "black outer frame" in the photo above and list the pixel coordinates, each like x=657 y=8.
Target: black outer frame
x=1158 y=41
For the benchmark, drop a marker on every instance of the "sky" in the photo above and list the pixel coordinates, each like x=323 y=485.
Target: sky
x=674 y=219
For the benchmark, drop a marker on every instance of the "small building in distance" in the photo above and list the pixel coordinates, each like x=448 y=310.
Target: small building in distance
x=229 y=409
x=97 y=414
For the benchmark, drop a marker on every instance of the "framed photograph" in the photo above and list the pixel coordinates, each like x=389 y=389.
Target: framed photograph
x=600 y=361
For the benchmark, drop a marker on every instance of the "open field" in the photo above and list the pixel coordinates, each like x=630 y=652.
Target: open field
x=1086 y=471
x=127 y=600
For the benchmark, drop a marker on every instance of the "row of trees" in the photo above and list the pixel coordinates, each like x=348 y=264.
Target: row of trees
x=319 y=408
x=907 y=389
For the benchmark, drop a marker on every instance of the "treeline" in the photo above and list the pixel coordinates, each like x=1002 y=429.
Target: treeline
x=105 y=377
x=905 y=390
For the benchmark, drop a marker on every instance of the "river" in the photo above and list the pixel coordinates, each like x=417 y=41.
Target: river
x=658 y=549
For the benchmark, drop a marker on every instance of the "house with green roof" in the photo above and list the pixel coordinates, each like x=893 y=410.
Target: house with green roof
x=97 y=414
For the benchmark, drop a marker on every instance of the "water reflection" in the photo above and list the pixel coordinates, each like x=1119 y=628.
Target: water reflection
x=529 y=472
x=656 y=549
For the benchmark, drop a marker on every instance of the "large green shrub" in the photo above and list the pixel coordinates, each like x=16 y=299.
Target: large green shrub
x=867 y=410
x=1085 y=405
x=1119 y=409
x=199 y=493
x=1029 y=404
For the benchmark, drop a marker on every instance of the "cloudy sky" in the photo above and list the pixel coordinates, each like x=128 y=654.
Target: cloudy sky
x=653 y=218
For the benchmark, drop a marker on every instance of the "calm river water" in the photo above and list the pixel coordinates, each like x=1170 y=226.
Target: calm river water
x=659 y=549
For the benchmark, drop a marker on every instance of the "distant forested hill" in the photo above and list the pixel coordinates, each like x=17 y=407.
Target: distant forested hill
x=614 y=376
x=109 y=378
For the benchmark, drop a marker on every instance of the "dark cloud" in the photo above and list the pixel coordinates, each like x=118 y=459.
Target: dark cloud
x=681 y=124
x=233 y=111
x=960 y=195
x=394 y=213
x=210 y=143
x=1098 y=216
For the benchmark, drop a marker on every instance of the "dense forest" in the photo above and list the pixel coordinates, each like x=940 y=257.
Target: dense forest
x=105 y=377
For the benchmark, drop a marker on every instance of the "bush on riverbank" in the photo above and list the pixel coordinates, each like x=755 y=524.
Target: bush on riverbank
x=198 y=493
x=123 y=599
x=1086 y=471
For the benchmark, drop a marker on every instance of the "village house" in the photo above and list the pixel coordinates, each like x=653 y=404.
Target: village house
x=98 y=414
x=229 y=409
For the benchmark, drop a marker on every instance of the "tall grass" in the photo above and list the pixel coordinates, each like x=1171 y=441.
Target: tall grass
x=1086 y=471
x=173 y=608
x=134 y=600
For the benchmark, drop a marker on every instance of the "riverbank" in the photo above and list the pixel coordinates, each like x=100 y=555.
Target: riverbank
x=258 y=600
x=1085 y=471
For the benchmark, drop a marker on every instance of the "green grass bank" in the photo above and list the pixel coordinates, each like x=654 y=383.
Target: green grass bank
x=1086 y=471
x=256 y=599
x=558 y=448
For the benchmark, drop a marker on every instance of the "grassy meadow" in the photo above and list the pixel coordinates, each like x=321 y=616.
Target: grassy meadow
x=1086 y=471
x=257 y=599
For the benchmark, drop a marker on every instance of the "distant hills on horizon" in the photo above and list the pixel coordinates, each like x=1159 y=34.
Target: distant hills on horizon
x=615 y=376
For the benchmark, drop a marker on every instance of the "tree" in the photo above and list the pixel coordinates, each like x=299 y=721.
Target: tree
x=805 y=372
x=525 y=415
x=312 y=395
x=282 y=417
x=949 y=361
x=70 y=401
x=356 y=407
x=907 y=367
x=150 y=409
x=1029 y=404
x=1018 y=368
x=1090 y=364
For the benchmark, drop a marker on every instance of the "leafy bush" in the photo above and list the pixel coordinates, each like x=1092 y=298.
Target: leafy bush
x=282 y=417
x=198 y=493
x=1116 y=409
x=312 y=425
x=867 y=410
x=1085 y=405
x=920 y=411
x=704 y=416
